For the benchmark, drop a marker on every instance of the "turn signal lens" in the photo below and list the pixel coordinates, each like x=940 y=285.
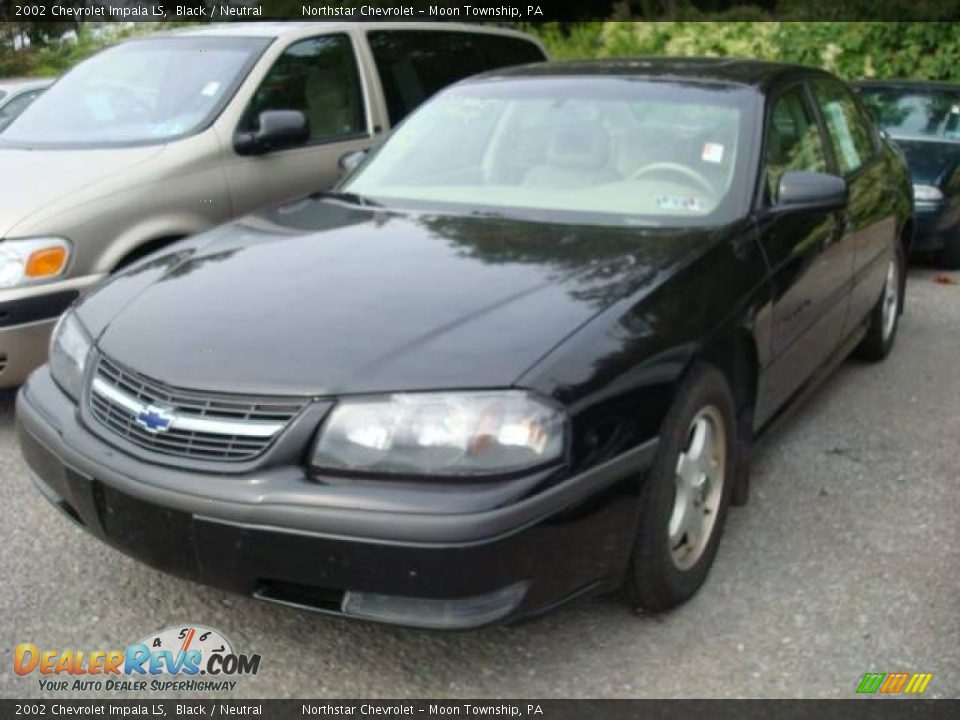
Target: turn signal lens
x=27 y=261
x=46 y=262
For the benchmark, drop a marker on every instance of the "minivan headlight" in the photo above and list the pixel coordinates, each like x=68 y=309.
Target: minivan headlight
x=69 y=348
x=32 y=260
x=468 y=433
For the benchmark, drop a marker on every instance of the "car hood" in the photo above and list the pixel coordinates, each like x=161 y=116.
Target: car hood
x=38 y=178
x=320 y=297
x=930 y=161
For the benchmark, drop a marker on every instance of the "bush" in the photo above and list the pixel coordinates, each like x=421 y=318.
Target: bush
x=54 y=57
x=851 y=49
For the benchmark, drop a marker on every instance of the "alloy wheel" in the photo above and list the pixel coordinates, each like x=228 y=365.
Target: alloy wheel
x=891 y=300
x=699 y=480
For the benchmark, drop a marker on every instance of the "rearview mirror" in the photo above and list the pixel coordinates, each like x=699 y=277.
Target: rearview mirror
x=351 y=161
x=278 y=130
x=799 y=189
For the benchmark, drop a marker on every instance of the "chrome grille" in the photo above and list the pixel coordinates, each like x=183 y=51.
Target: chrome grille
x=200 y=426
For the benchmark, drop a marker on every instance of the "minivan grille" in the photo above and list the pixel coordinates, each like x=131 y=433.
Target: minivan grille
x=184 y=423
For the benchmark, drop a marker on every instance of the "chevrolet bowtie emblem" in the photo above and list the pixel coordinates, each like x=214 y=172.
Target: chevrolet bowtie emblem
x=154 y=419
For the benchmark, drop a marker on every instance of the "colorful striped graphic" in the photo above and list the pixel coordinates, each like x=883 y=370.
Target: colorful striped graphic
x=893 y=683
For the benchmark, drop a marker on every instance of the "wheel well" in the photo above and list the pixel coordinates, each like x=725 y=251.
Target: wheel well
x=145 y=249
x=906 y=238
x=735 y=356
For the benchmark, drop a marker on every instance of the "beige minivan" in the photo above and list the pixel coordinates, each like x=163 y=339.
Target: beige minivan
x=165 y=136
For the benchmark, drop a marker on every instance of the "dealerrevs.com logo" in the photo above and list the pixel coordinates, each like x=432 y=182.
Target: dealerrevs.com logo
x=190 y=658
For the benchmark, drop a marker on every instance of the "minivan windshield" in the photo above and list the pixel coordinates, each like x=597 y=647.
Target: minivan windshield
x=591 y=149
x=142 y=91
x=915 y=113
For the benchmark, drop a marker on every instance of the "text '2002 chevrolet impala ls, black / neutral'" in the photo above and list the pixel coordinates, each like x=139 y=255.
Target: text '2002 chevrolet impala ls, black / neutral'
x=518 y=356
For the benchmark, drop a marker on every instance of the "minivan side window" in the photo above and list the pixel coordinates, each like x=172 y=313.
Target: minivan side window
x=849 y=131
x=319 y=78
x=414 y=64
x=793 y=140
x=502 y=51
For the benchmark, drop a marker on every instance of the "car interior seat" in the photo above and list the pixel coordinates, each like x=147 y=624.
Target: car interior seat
x=578 y=155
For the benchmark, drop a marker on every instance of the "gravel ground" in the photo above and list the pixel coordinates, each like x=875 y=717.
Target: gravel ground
x=846 y=560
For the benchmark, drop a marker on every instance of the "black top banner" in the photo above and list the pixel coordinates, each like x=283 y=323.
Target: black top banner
x=527 y=11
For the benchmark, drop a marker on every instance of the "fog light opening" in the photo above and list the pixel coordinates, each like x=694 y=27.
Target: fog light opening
x=434 y=613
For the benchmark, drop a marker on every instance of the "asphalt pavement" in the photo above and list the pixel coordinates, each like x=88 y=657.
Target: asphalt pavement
x=846 y=560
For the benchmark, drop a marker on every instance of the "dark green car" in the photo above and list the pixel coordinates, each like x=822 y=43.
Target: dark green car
x=924 y=120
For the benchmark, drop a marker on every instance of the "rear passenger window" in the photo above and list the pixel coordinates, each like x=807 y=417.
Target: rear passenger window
x=794 y=141
x=850 y=132
x=319 y=78
x=414 y=64
x=501 y=51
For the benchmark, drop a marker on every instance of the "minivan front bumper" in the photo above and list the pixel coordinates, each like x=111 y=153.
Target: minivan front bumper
x=27 y=317
x=936 y=224
x=437 y=569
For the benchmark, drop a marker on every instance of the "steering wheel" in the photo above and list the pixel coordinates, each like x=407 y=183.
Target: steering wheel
x=689 y=173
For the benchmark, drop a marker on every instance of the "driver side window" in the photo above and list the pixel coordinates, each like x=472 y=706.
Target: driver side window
x=793 y=140
x=319 y=78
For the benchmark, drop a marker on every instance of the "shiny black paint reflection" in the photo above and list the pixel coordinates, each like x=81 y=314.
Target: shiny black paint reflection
x=335 y=295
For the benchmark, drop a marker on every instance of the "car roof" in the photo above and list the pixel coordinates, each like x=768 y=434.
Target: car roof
x=296 y=29
x=908 y=84
x=733 y=71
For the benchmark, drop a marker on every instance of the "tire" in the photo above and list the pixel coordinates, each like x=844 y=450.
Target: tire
x=882 y=332
x=667 y=566
x=949 y=255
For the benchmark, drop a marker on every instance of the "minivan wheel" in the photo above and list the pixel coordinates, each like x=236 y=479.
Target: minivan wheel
x=686 y=494
x=885 y=317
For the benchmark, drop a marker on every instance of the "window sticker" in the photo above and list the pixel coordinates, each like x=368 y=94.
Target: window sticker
x=712 y=153
x=210 y=89
x=680 y=204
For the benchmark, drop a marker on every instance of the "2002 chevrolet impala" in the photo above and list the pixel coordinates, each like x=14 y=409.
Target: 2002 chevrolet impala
x=519 y=356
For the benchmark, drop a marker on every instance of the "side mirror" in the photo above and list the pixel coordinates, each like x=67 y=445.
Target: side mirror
x=351 y=161
x=812 y=190
x=279 y=130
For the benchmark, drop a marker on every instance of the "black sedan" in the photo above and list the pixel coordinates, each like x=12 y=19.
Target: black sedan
x=924 y=120
x=519 y=356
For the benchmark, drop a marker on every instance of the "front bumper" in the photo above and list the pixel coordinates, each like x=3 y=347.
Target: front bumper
x=935 y=224
x=27 y=317
x=278 y=535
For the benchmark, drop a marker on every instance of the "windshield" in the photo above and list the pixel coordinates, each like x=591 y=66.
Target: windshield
x=144 y=91
x=914 y=113
x=598 y=149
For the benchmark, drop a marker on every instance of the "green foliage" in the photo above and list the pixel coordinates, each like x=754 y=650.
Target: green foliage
x=928 y=50
x=48 y=56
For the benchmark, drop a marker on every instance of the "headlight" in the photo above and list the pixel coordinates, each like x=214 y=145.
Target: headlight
x=471 y=433
x=69 y=348
x=35 y=260
x=927 y=193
